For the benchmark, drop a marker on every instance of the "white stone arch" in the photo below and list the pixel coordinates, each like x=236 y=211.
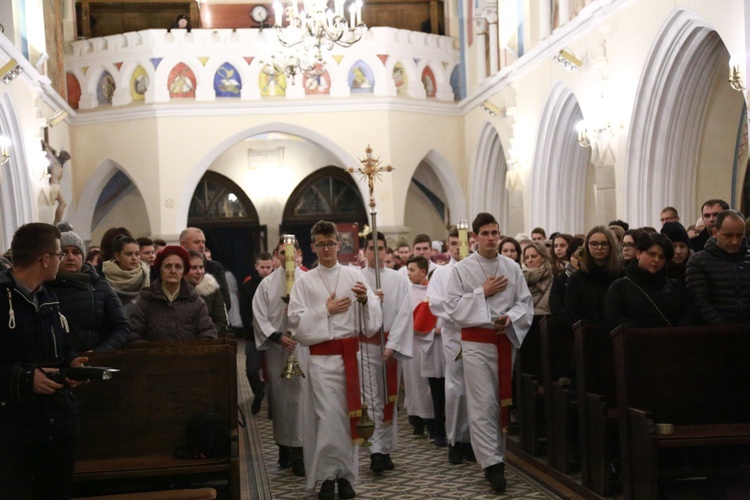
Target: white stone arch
x=415 y=90
x=161 y=76
x=200 y=168
x=239 y=64
x=383 y=81
x=558 y=171
x=125 y=74
x=83 y=217
x=441 y=78
x=16 y=196
x=488 y=192
x=446 y=173
x=667 y=119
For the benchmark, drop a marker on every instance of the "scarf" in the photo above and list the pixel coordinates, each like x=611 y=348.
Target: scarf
x=124 y=281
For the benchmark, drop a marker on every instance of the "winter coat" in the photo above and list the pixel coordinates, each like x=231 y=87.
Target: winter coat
x=625 y=302
x=584 y=297
x=33 y=336
x=557 y=291
x=209 y=291
x=93 y=309
x=155 y=318
x=539 y=282
x=719 y=284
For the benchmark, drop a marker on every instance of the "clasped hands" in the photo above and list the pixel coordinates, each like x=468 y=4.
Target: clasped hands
x=44 y=385
x=338 y=306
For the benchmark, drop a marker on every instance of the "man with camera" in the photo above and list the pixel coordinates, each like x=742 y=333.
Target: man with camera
x=38 y=417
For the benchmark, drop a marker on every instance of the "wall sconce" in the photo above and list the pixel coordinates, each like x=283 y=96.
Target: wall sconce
x=57 y=118
x=567 y=60
x=10 y=71
x=735 y=77
x=4 y=149
x=492 y=109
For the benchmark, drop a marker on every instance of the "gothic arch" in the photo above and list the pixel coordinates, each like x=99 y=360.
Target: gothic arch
x=488 y=193
x=667 y=123
x=558 y=172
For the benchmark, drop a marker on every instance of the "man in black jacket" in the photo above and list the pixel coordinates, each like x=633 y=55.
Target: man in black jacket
x=38 y=417
x=718 y=278
x=193 y=238
x=709 y=211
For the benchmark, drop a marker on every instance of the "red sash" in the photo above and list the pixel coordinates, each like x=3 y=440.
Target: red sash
x=504 y=363
x=391 y=375
x=346 y=348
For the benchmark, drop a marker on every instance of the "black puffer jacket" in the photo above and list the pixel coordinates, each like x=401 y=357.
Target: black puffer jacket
x=33 y=336
x=665 y=302
x=94 y=311
x=719 y=284
x=584 y=296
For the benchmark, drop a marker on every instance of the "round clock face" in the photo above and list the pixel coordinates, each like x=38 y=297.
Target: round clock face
x=259 y=13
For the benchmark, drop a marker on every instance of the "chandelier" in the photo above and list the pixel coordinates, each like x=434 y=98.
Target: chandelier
x=310 y=31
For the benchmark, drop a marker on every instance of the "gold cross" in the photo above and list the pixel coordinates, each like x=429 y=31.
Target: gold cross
x=370 y=169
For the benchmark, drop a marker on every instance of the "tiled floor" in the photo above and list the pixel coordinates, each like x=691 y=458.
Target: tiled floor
x=422 y=469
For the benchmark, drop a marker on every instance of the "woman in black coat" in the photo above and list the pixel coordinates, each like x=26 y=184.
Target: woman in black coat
x=646 y=296
x=92 y=308
x=600 y=266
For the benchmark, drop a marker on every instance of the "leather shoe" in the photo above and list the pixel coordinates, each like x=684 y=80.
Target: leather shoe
x=255 y=407
x=454 y=454
x=345 y=489
x=377 y=463
x=468 y=452
x=327 y=490
x=389 y=465
x=495 y=474
x=297 y=461
x=284 y=460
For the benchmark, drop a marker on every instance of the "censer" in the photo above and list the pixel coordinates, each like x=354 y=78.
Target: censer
x=292 y=368
x=365 y=427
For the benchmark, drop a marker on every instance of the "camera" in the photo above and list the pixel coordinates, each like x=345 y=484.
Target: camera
x=82 y=373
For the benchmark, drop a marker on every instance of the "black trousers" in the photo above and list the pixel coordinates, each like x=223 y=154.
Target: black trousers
x=36 y=470
x=253 y=366
x=437 y=389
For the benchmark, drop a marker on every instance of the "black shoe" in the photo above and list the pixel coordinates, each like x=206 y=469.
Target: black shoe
x=441 y=441
x=455 y=456
x=418 y=426
x=429 y=424
x=255 y=407
x=345 y=489
x=389 y=465
x=495 y=474
x=377 y=463
x=327 y=490
x=297 y=461
x=284 y=460
x=468 y=452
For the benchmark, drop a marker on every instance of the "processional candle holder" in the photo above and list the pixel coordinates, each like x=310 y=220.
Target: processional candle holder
x=292 y=368
x=463 y=248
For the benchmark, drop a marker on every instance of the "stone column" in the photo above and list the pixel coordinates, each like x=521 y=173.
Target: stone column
x=480 y=50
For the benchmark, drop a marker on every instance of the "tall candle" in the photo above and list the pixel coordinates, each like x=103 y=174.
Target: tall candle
x=289 y=257
x=463 y=238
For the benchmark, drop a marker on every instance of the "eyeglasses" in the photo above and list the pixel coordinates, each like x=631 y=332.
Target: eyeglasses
x=668 y=219
x=325 y=244
x=711 y=215
x=60 y=256
x=597 y=244
x=627 y=245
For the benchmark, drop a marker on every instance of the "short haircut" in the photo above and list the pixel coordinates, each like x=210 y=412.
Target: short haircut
x=613 y=266
x=403 y=244
x=160 y=242
x=263 y=256
x=186 y=231
x=369 y=237
x=731 y=214
x=647 y=240
x=93 y=254
x=108 y=240
x=620 y=223
x=144 y=242
x=389 y=250
x=421 y=262
x=482 y=219
x=453 y=232
x=120 y=243
x=634 y=233
x=715 y=201
x=422 y=238
x=324 y=228
x=539 y=230
x=31 y=241
x=194 y=255
x=670 y=209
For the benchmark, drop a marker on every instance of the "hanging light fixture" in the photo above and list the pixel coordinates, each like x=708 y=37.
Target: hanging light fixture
x=293 y=63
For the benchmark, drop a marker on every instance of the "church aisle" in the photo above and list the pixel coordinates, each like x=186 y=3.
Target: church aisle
x=422 y=469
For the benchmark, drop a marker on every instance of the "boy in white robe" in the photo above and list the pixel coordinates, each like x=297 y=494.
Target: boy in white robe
x=397 y=328
x=288 y=396
x=456 y=414
x=488 y=298
x=328 y=307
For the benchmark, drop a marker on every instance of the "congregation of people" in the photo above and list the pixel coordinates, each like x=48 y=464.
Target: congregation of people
x=417 y=314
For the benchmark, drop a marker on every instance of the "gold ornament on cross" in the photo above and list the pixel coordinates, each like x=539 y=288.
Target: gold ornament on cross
x=370 y=169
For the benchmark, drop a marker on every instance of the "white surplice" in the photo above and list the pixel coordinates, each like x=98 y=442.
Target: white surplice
x=418 y=398
x=287 y=397
x=456 y=414
x=329 y=453
x=398 y=322
x=468 y=307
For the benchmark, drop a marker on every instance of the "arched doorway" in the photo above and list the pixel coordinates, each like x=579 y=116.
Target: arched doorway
x=329 y=193
x=230 y=222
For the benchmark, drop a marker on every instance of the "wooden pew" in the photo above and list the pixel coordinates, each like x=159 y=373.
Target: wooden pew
x=529 y=392
x=684 y=404
x=132 y=424
x=597 y=407
x=560 y=404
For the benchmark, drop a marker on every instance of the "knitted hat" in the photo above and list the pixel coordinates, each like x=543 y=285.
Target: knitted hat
x=675 y=232
x=172 y=250
x=71 y=239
